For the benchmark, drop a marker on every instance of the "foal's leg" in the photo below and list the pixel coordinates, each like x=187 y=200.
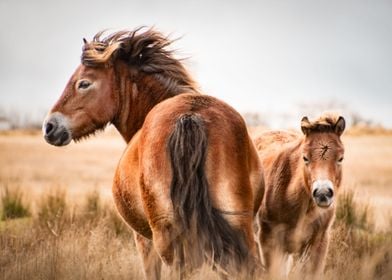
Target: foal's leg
x=272 y=257
x=151 y=261
x=271 y=240
x=316 y=256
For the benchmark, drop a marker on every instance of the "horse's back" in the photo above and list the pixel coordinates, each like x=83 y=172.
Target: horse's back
x=270 y=143
x=277 y=151
x=230 y=153
x=214 y=112
x=226 y=130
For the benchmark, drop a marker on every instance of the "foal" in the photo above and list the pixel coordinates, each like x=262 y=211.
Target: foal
x=302 y=176
x=189 y=181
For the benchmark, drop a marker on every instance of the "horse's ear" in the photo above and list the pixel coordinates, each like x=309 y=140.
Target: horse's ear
x=84 y=41
x=340 y=126
x=305 y=125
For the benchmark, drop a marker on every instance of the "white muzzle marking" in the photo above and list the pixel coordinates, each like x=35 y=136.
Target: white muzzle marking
x=56 y=129
x=323 y=192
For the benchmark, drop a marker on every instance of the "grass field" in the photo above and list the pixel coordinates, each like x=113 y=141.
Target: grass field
x=69 y=228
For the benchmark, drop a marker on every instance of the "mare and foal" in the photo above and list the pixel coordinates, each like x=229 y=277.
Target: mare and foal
x=191 y=182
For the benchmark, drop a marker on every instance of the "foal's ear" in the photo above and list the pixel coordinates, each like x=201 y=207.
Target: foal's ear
x=305 y=125
x=340 y=126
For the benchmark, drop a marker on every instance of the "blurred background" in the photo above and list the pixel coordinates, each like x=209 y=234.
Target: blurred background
x=274 y=61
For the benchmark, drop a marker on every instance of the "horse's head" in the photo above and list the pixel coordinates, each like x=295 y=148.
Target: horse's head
x=87 y=104
x=89 y=100
x=323 y=154
x=121 y=77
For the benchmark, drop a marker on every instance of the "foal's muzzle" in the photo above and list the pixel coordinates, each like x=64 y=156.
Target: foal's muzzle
x=56 y=130
x=322 y=192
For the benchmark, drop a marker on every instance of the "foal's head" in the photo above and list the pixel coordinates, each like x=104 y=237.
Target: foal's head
x=323 y=154
x=114 y=72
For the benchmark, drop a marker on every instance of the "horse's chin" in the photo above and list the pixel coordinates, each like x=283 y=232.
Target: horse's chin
x=87 y=133
x=324 y=204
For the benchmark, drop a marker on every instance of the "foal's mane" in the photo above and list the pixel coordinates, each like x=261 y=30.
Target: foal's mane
x=147 y=51
x=325 y=123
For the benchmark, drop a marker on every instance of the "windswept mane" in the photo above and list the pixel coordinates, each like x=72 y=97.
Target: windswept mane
x=147 y=51
x=325 y=123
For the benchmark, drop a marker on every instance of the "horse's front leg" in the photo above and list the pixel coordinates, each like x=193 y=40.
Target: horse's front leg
x=315 y=259
x=276 y=260
x=152 y=263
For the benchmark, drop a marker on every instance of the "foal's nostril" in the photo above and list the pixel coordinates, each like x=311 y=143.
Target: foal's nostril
x=49 y=128
x=329 y=193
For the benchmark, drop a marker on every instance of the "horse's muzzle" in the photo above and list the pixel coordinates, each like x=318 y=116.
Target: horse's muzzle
x=322 y=192
x=55 y=130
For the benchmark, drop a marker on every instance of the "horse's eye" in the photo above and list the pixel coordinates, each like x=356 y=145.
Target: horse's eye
x=306 y=160
x=340 y=160
x=83 y=84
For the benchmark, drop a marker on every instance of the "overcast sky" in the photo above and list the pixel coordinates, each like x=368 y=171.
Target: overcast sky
x=259 y=56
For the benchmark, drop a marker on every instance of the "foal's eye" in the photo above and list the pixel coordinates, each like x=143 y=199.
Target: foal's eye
x=306 y=160
x=83 y=84
x=340 y=160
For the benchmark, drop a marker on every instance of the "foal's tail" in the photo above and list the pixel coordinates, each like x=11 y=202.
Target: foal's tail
x=211 y=233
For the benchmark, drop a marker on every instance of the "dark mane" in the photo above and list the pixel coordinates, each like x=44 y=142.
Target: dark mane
x=147 y=51
x=325 y=123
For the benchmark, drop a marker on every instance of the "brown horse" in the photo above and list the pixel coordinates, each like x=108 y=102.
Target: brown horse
x=189 y=180
x=302 y=176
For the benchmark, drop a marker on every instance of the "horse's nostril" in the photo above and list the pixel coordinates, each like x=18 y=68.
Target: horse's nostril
x=49 y=128
x=330 y=193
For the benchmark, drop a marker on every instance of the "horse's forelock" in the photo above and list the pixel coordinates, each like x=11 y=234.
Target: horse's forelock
x=325 y=123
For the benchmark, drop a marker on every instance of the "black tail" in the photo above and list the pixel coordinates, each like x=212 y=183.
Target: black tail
x=191 y=200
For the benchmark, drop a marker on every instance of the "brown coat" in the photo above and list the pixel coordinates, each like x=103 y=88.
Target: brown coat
x=290 y=218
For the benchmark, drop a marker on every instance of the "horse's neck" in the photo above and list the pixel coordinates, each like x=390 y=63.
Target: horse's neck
x=137 y=96
x=286 y=199
x=295 y=191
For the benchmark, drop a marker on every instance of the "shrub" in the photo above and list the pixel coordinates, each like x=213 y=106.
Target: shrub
x=350 y=214
x=12 y=204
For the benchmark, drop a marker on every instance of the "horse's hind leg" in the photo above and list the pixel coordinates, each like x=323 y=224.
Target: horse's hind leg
x=151 y=261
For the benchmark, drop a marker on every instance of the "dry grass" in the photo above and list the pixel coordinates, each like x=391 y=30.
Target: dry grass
x=73 y=231
x=63 y=241
x=357 y=250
